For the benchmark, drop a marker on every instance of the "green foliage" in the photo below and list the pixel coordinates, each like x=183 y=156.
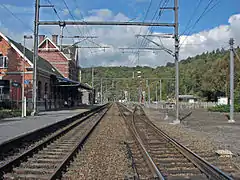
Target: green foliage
x=224 y=108
x=7 y=113
x=205 y=76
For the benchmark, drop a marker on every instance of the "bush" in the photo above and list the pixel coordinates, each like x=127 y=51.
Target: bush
x=224 y=108
x=7 y=113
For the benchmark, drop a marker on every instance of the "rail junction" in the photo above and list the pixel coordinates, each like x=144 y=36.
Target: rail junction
x=51 y=152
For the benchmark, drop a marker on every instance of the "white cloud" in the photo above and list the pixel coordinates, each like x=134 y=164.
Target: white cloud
x=124 y=36
x=77 y=12
x=103 y=13
x=115 y=36
x=65 y=12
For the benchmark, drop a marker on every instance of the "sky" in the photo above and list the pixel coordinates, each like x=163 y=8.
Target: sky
x=204 y=25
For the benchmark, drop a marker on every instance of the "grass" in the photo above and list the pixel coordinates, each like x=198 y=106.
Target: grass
x=224 y=108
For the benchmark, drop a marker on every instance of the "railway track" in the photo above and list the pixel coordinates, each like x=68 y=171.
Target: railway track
x=158 y=156
x=14 y=147
x=49 y=159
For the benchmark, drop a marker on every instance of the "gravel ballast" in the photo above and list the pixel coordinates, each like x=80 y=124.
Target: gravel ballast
x=202 y=130
x=104 y=155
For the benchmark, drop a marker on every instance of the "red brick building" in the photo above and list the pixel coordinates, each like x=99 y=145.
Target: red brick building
x=64 y=59
x=53 y=83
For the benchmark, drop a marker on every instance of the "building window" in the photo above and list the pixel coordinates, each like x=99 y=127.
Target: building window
x=3 y=61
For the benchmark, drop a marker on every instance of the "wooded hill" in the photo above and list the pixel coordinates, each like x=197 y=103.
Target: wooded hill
x=205 y=76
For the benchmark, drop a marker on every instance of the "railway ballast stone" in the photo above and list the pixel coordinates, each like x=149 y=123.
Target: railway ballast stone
x=104 y=156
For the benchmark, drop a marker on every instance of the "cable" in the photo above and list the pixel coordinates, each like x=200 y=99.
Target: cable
x=206 y=10
x=144 y=41
x=164 y=4
x=87 y=30
x=77 y=26
x=16 y=17
x=192 y=15
x=150 y=31
x=150 y=4
x=5 y=7
x=146 y=16
x=74 y=20
x=55 y=11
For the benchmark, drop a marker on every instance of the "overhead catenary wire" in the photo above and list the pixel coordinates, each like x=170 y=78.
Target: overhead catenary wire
x=150 y=31
x=55 y=11
x=16 y=17
x=77 y=26
x=192 y=16
x=87 y=30
x=161 y=4
x=144 y=42
x=147 y=11
x=141 y=44
x=205 y=11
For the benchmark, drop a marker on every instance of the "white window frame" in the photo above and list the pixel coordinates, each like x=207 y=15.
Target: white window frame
x=5 y=61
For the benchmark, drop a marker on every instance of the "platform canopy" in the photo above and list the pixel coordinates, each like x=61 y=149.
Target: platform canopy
x=61 y=81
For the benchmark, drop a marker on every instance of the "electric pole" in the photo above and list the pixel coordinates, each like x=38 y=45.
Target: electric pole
x=231 y=120
x=93 y=94
x=148 y=92
x=156 y=92
x=177 y=121
x=160 y=90
x=92 y=77
x=35 y=57
x=101 y=92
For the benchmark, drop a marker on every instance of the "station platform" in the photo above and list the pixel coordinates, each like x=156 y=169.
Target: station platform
x=14 y=127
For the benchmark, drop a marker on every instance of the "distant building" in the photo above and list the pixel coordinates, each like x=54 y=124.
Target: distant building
x=188 y=98
x=222 y=101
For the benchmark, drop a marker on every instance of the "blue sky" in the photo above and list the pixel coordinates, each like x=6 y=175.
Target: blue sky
x=131 y=8
x=212 y=31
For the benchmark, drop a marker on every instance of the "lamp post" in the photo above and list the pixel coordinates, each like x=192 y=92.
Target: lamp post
x=23 y=75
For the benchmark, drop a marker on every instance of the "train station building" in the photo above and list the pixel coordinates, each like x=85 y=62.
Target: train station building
x=57 y=74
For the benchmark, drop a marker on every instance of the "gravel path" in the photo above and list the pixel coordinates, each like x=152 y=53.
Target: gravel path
x=104 y=156
x=201 y=130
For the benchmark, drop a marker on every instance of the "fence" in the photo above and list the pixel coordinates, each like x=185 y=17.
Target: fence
x=182 y=105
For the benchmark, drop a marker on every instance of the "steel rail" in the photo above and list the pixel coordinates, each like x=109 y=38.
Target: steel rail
x=153 y=167
x=36 y=135
x=150 y=161
x=208 y=169
x=58 y=172
x=23 y=156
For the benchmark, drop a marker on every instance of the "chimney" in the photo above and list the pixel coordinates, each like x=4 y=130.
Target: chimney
x=41 y=38
x=54 y=39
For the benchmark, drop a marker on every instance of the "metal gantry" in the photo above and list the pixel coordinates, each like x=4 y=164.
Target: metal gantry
x=62 y=24
x=105 y=23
